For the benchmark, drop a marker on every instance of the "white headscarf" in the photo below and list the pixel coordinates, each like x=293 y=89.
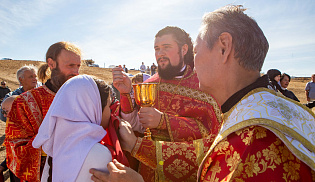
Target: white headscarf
x=71 y=127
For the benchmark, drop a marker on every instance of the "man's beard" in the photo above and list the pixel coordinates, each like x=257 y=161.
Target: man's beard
x=58 y=78
x=169 y=72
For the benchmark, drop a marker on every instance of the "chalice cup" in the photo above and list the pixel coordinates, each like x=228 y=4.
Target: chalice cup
x=145 y=96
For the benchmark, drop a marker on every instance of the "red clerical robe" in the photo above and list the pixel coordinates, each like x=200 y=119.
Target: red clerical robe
x=26 y=115
x=254 y=154
x=264 y=137
x=188 y=114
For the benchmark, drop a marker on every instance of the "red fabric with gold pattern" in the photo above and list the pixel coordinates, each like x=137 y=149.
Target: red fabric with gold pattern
x=189 y=114
x=254 y=154
x=174 y=161
x=25 y=117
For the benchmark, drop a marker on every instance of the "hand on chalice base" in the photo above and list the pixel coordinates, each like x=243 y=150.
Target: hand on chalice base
x=150 y=118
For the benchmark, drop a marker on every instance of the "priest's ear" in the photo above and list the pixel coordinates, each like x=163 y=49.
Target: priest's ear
x=51 y=63
x=184 y=49
x=225 y=42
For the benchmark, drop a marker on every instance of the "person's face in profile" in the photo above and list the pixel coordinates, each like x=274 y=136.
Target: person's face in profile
x=285 y=82
x=106 y=114
x=277 y=78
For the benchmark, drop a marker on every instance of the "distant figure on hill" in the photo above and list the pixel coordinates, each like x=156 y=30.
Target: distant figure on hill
x=153 y=69
x=4 y=89
x=284 y=82
x=142 y=67
x=125 y=69
x=310 y=92
x=147 y=71
x=310 y=89
x=27 y=78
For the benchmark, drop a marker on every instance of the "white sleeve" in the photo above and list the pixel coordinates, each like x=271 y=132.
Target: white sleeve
x=133 y=119
x=98 y=158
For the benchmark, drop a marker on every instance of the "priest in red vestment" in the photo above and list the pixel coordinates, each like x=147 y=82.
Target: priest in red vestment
x=181 y=112
x=264 y=136
x=29 y=109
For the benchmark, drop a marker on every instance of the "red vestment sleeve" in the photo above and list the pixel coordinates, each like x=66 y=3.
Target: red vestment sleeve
x=254 y=154
x=22 y=159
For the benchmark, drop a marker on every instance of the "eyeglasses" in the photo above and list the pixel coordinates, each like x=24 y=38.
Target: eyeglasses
x=4 y=112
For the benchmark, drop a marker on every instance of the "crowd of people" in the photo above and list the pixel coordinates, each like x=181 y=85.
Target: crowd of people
x=215 y=117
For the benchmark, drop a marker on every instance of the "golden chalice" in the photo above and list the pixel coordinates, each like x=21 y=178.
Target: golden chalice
x=145 y=96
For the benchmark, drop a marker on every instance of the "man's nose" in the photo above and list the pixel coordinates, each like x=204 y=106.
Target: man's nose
x=161 y=52
x=76 y=71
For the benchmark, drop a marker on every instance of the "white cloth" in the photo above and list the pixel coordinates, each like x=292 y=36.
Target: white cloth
x=98 y=158
x=71 y=127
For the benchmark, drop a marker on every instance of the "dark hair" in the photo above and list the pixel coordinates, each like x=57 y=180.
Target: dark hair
x=272 y=73
x=105 y=91
x=283 y=75
x=249 y=41
x=181 y=38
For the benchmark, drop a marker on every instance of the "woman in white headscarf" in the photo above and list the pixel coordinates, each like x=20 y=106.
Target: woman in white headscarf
x=73 y=128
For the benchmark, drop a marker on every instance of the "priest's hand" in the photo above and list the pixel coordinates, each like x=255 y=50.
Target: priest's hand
x=150 y=117
x=128 y=138
x=120 y=80
x=117 y=172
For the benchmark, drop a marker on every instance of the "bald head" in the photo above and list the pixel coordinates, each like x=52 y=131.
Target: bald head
x=7 y=104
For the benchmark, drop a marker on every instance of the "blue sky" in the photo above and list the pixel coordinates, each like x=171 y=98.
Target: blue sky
x=113 y=32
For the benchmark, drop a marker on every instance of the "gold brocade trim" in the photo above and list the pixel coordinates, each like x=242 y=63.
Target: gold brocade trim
x=160 y=138
x=203 y=130
x=266 y=122
x=161 y=121
x=194 y=94
x=257 y=90
x=135 y=149
x=160 y=162
x=32 y=104
x=293 y=149
x=130 y=103
x=169 y=127
x=199 y=149
x=48 y=90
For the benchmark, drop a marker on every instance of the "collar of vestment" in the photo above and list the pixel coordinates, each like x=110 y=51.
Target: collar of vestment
x=181 y=72
x=230 y=102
